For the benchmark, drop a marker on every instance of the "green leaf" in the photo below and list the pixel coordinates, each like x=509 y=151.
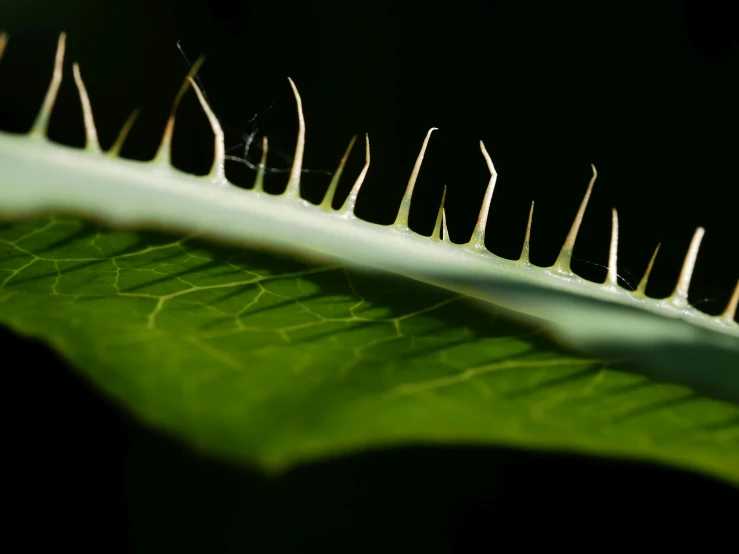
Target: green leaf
x=273 y=361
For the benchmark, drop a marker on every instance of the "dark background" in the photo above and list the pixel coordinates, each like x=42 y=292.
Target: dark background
x=647 y=91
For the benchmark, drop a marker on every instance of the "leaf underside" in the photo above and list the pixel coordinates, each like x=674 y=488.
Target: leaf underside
x=273 y=361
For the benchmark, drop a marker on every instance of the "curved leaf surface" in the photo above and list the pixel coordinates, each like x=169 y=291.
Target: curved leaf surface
x=273 y=361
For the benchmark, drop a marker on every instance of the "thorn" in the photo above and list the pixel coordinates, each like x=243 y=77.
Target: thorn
x=612 y=277
x=405 y=204
x=477 y=241
x=91 y=134
x=444 y=229
x=565 y=255
x=436 y=234
x=524 y=258
x=41 y=125
x=680 y=296
x=328 y=198
x=730 y=312
x=218 y=169
x=3 y=42
x=293 y=184
x=641 y=290
x=163 y=154
x=115 y=150
x=259 y=180
x=351 y=200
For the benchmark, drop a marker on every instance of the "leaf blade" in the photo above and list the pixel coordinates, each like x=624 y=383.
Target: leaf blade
x=274 y=361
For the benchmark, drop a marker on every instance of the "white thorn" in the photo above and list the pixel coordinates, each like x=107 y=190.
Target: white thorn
x=524 y=258
x=565 y=256
x=259 y=180
x=164 y=152
x=405 y=204
x=730 y=312
x=91 y=134
x=41 y=125
x=328 y=198
x=115 y=150
x=218 y=169
x=351 y=200
x=436 y=234
x=612 y=278
x=680 y=296
x=477 y=241
x=641 y=290
x=445 y=237
x=293 y=184
x=163 y=155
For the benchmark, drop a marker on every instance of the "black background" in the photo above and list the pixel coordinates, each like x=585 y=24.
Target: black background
x=647 y=91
